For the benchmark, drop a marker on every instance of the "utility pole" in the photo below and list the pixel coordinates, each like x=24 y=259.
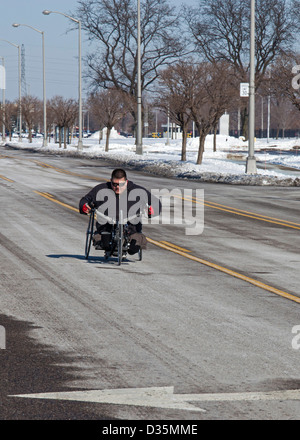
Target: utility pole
x=251 y=161
x=139 y=140
x=23 y=71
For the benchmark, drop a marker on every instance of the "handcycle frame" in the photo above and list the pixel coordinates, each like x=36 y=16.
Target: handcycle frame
x=119 y=240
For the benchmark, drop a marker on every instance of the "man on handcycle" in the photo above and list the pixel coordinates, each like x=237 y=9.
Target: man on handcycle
x=112 y=198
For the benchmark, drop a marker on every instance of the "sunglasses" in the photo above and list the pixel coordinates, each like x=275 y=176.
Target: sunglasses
x=120 y=184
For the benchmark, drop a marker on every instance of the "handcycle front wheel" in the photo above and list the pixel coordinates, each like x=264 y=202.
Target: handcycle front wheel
x=89 y=235
x=140 y=254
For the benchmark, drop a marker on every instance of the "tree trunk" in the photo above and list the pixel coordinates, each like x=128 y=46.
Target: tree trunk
x=183 y=148
x=244 y=123
x=30 y=134
x=202 y=138
x=59 y=137
x=65 y=136
x=215 y=139
x=108 y=130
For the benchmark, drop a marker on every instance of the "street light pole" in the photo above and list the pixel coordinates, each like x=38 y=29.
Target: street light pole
x=45 y=143
x=20 y=94
x=46 y=12
x=269 y=116
x=80 y=144
x=139 y=140
x=168 y=129
x=3 y=103
x=251 y=161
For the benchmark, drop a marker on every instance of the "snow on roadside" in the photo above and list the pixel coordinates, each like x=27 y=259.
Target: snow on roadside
x=226 y=165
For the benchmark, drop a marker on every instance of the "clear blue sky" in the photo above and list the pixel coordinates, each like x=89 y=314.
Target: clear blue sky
x=61 y=49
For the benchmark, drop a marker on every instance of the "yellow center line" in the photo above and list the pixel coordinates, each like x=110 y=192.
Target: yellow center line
x=50 y=197
x=243 y=213
x=63 y=171
x=57 y=169
x=175 y=246
x=258 y=217
x=249 y=212
x=227 y=271
x=5 y=178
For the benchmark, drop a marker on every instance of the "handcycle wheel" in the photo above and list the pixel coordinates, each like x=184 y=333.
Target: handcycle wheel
x=140 y=254
x=89 y=235
x=120 y=244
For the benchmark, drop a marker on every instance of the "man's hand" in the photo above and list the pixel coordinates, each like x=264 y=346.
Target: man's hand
x=150 y=211
x=86 y=208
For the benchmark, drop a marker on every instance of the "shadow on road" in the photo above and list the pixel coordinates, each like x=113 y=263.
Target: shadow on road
x=30 y=367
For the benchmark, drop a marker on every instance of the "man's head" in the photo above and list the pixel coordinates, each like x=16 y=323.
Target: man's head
x=119 y=180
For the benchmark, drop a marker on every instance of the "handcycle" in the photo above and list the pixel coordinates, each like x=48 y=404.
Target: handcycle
x=119 y=236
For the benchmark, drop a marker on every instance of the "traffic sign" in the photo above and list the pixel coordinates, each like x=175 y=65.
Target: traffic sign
x=2 y=77
x=244 y=90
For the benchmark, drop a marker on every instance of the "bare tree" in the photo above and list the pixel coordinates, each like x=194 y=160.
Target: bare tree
x=96 y=111
x=177 y=85
x=113 y=25
x=283 y=114
x=64 y=113
x=31 y=111
x=9 y=116
x=200 y=92
x=220 y=31
x=213 y=95
x=110 y=108
x=284 y=85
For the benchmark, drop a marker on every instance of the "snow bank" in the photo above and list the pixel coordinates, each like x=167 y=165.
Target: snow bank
x=226 y=165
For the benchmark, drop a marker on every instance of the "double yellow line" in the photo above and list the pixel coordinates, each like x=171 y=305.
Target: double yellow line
x=230 y=272
x=242 y=212
x=186 y=254
x=255 y=216
x=63 y=171
x=52 y=199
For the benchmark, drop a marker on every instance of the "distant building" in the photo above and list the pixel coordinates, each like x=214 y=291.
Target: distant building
x=224 y=125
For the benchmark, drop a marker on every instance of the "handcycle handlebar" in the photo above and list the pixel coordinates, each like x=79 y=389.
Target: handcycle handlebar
x=114 y=221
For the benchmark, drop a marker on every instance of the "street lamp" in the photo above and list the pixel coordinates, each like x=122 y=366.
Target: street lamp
x=139 y=140
x=46 y=12
x=44 y=78
x=20 y=96
x=251 y=161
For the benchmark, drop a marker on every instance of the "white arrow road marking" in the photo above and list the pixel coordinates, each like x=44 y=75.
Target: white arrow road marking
x=161 y=397
x=156 y=397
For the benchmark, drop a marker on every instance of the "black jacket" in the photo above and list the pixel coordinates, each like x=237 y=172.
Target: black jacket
x=134 y=200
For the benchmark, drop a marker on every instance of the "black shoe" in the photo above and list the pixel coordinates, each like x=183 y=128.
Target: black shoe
x=133 y=248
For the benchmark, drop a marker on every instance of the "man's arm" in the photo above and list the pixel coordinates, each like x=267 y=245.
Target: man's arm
x=90 y=199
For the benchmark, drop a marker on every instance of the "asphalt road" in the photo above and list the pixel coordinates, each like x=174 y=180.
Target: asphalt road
x=211 y=315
